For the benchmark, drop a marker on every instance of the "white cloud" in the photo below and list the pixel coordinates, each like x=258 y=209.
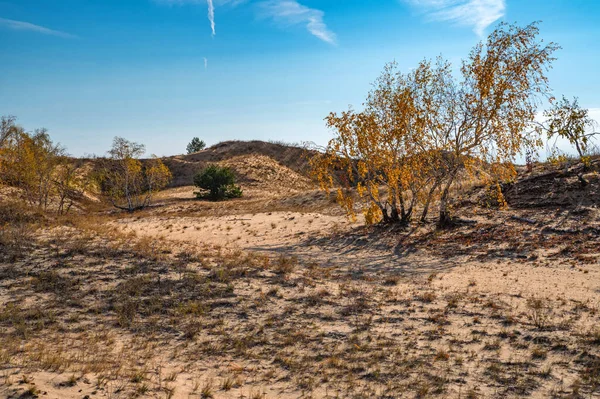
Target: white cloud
x=289 y=12
x=478 y=14
x=26 y=26
x=211 y=7
x=185 y=2
x=211 y=16
x=205 y=63
x=594 y=113
x=293 y=13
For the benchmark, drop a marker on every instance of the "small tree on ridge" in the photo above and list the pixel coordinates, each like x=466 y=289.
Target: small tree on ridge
x=195 y=145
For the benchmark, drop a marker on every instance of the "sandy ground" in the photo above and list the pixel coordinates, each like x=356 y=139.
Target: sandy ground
x=312 y=236
x=259 y=231
x=300 y=304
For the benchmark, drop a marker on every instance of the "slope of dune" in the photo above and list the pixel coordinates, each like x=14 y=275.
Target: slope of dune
x=184 y=167
x=260 y=171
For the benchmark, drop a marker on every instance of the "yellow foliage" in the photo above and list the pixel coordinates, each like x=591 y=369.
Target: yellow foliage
x=420 y=132
x=126 y=181
x=29 y=162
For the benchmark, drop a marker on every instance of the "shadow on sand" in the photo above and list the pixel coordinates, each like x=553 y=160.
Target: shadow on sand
x=367 y=251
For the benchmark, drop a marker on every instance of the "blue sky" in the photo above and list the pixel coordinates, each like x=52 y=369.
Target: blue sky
x=156 y=72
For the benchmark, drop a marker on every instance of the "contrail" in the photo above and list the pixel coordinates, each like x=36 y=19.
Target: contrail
x=205 y=63
x=211 y=16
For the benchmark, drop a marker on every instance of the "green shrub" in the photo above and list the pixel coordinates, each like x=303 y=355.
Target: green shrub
x=217 y=183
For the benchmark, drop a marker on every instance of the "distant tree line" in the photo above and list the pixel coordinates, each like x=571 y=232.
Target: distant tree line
x=41 y=169
x=48 y=178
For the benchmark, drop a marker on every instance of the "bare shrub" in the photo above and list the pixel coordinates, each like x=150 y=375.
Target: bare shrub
x=15 y=240
x=539 y=311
